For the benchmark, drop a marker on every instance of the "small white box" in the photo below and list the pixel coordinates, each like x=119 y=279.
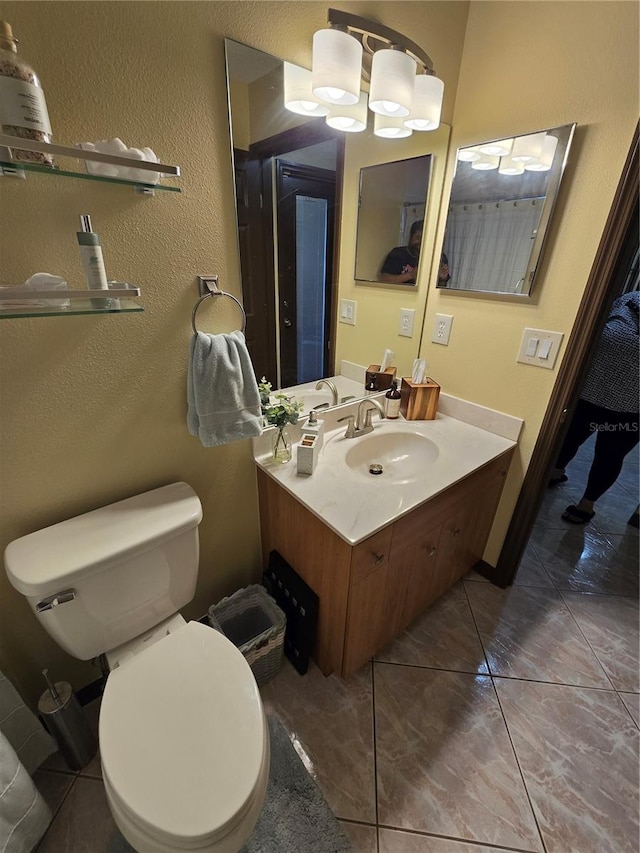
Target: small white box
x=307 y=453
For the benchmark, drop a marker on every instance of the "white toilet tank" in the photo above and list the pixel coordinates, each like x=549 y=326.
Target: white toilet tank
x=105 y=577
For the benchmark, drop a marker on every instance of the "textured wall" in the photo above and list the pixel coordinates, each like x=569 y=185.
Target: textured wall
x=93 y=408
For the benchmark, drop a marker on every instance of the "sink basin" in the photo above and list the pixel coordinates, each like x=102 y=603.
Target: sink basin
x=403 y=456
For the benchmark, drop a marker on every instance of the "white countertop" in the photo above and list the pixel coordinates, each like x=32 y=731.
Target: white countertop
x=356 y=504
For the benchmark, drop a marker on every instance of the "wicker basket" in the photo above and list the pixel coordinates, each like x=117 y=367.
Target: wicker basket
x=254 y=623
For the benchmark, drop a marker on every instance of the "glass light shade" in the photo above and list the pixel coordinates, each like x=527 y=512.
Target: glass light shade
x=337 y=67
x=298 y=96
x=351 y=118
x=509 y=166
x=468 y=155
x=427 y=103
x=392 y=76
x=502 y=147
x=526 y=148
x=544 y=162
x=390 y=128
x=486 y=162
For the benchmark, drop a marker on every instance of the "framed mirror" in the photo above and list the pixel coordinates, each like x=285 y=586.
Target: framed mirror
x=502 y=199
x=391 y=212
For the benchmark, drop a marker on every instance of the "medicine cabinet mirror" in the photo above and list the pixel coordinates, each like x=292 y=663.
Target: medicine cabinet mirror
x=391 y=212
x=502 y=199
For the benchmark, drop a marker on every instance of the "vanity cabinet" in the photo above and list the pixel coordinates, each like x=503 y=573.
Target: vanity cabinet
x=369 y=593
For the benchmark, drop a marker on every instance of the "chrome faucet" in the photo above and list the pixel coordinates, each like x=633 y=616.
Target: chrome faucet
x=331 y=386
x=356 y=426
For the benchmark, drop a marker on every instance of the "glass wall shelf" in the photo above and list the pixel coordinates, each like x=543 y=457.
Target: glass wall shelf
x=118 y=306
x=10 y=169
x=22 y=302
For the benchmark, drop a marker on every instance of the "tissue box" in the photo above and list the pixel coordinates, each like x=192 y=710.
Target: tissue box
x=382 y=380
x=419 y=402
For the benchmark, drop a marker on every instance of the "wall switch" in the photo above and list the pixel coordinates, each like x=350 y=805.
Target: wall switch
x=348 y=311
x=405 y=327
x=442 y=329
x=539 y=347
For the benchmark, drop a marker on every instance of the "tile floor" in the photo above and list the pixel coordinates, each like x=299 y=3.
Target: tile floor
x=503 y=719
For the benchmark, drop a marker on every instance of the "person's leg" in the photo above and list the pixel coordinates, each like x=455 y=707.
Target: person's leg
x=581 y=426
x=612 y=445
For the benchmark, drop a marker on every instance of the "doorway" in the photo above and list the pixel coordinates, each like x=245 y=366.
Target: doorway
x=305 y=205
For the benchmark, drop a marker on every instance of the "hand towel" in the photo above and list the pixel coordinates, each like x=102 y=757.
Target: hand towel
x=222 y=392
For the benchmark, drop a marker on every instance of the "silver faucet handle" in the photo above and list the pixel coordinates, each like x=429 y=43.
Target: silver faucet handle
x=351 y=431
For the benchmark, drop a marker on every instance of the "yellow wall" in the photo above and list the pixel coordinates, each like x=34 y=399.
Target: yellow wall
x=93 y=408
x=526 y=67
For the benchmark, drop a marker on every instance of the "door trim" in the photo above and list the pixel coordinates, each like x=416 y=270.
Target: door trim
x=592 y=314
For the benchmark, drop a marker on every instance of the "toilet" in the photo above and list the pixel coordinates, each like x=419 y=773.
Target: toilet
x=184 y=743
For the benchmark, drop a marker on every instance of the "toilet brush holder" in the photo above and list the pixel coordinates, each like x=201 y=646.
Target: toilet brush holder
x=65 y=721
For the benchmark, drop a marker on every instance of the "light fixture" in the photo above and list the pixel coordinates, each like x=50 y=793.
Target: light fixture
x=351 y=118
x=352 y=48
x=527 y=148
x=509 y=166
x=389 y=127
x=468 y=155
x=545 y=160
x=298 y=96
x=501 y=147
x=427 y=103
x=337 y=59
x=486 y=162
x=392 y=76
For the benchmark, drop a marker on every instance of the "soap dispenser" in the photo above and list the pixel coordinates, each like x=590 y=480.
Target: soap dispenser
x=392 y=401
x=312 y=426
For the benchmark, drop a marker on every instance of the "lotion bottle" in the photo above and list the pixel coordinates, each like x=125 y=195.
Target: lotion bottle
x=92 y=261
x=312 y=426
x=392 y=401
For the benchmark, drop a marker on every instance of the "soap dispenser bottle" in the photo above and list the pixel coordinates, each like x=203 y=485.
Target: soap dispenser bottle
x=312 y=426
x=392 y=401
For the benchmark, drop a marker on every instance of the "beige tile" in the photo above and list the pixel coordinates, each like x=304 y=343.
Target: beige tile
x=395 y=841
x=330 y=722
x=444 y=637
x=610 y=624
x=578 y=750
x=84 y=823
x=444 y=760
x=632 y=703
x=530 y=633
x=363 y=838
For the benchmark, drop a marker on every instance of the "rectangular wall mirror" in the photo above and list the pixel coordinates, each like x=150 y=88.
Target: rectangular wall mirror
x=502 y=199
x=391 y=211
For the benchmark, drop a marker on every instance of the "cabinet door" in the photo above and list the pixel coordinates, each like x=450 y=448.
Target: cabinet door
x=412 y=575
x=368 y=625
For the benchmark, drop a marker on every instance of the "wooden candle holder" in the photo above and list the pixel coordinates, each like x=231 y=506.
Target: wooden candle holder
x=419 y=402
x=383 y=380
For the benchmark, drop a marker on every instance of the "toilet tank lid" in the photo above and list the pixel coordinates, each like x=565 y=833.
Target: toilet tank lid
x=38 y=563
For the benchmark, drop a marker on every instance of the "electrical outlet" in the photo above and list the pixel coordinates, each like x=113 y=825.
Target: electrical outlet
x=405 y=327
x=348 y=311
x=442 y=329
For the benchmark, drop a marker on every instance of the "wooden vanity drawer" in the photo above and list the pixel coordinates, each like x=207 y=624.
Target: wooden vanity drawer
x=371 y=555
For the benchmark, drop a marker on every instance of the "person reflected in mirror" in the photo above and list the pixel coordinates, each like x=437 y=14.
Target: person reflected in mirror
x=401 y=264
x=608 y=406
x=443 y=271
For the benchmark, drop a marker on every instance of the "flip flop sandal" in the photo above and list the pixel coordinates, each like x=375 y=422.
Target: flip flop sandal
x=577 y=516
x=555 y=481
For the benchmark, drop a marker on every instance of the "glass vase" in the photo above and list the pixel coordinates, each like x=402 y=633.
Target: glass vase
x=281 y=445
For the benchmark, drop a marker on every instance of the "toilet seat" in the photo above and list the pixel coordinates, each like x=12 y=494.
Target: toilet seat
x=183 y=740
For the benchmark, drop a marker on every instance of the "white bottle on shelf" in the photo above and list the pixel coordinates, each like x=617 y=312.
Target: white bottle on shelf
x=92 y=261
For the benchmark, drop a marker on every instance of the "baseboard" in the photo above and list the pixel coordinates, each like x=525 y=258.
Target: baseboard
x=490 y=573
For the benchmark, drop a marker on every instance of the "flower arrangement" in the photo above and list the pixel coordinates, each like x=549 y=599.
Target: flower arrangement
x=281 y=412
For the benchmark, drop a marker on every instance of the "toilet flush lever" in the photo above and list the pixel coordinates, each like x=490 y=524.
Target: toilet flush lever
x=56 y=599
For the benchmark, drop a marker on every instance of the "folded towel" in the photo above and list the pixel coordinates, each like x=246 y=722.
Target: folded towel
x=222 y=392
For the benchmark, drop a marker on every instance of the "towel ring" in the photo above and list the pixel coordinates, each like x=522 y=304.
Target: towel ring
x=214 y=290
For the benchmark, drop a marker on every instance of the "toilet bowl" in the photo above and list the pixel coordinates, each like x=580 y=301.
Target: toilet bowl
x=183 y=738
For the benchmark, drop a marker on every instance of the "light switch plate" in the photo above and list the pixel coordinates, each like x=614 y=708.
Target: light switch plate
x=442 y=329
x=546 y=342
x=348 y=311
x=405 y=327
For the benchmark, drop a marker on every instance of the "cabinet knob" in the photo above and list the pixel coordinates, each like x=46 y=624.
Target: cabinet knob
x=378 y=558
x=457 y=531
x=431 y=552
